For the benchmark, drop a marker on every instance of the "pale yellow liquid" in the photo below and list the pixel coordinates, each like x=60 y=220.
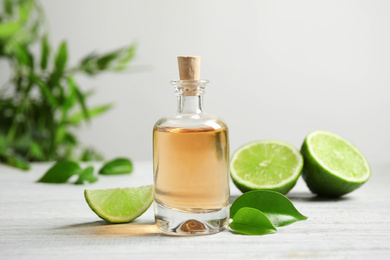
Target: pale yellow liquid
x=191 y=168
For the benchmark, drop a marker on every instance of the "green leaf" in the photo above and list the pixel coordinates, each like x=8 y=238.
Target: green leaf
x=70 y=139
x=91 y=155
x=128 y=54
x=95 y=111
x=80 y=97
x=61 y=58
x=88 y=64
x=112 y=61
x=86 y=176
x=278 y=208
x=8 y=29
x=36 y=151
x=23 y=55
x=45 y=90
x=21 y=143
x=3 y=143
x=45 y=52
x=89 y=93
x=7 y=6
x=250 y=221
x=60 y=172
x=25 y=10
x=70 y=98
x=105 y=61
x=117 y=166
x=15 y=161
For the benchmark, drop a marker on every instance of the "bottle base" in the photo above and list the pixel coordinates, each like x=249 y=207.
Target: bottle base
x=181 y=223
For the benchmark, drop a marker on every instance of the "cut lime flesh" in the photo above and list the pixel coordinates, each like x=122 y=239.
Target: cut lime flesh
x=120 y=205
x=338 y=156
x=333 y=166
x=266 y=165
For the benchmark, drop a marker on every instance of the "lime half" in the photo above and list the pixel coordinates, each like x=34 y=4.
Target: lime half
x=333 y=166
x=266 y=165
x=120 y=205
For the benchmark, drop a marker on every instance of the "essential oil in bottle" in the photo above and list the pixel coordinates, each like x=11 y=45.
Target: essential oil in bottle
x=191 y=161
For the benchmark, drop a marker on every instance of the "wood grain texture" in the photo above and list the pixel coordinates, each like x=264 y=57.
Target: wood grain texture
x=46 y=221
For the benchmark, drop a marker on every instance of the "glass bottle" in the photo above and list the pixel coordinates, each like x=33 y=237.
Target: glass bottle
x=191 y=163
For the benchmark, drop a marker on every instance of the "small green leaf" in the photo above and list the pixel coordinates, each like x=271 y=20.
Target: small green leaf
x=60 y=172
x=61 y=58
x=278 y=208
x=45 y=52
x=117 y=166
x=8 y=29
x=86 y=176
x=250 y=221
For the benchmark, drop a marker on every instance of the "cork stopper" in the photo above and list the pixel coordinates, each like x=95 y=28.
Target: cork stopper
x=189 y=67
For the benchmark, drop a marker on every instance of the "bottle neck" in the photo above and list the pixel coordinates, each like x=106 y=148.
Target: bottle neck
x=189 y=104
x=189 y=95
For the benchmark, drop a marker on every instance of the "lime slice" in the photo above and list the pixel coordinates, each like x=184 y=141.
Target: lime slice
x=120 y=205
x=333 y=166
x=266 y=165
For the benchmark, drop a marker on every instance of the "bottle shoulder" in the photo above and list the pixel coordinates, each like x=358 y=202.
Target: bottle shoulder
x=193 y=121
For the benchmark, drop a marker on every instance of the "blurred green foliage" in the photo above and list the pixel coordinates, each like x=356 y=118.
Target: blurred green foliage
x=41 y=103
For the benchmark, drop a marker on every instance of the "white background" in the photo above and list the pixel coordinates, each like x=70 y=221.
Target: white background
x=278 y=69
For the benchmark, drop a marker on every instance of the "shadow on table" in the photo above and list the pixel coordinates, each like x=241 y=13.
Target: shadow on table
x=307 y=196
x=304 y=196
x=103 y=228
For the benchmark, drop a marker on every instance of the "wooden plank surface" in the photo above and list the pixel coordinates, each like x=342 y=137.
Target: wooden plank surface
x=45 y=221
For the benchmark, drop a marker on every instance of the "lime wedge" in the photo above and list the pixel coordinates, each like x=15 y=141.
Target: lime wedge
x=266 y=165
x=120 y=205
x=333 y=166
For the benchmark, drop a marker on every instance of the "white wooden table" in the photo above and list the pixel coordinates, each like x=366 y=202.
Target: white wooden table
x=46 y=221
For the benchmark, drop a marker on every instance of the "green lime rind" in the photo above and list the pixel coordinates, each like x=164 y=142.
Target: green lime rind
x=282 y=189
x=120 y=205
x=332 y=180
x=277 y=159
